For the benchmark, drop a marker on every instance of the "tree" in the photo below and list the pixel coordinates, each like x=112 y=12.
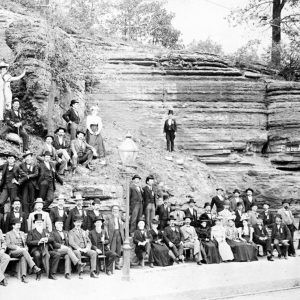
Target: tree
x=281 y=15
x=207 y=46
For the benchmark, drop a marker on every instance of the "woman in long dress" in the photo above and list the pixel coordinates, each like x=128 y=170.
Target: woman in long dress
x=160 y=255
x=218 y=234
x=93 y=132
x=210 y=246
x=239 y=248
x=3 y=66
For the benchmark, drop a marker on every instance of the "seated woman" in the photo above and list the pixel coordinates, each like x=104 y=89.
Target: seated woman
x=160 y=255
x=246 y=235
x=218 y=235
x=210 y=247
x=240 y=249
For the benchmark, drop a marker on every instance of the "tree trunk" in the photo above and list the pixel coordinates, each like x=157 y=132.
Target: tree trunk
x=276 y=33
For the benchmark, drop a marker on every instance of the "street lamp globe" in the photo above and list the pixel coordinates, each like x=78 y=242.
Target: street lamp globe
x=128 y=151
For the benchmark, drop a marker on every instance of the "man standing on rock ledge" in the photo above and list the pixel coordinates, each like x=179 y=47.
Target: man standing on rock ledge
x=170 y=129
x=71 y=116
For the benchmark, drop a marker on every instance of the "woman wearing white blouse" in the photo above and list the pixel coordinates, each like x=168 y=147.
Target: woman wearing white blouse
x=93 y=132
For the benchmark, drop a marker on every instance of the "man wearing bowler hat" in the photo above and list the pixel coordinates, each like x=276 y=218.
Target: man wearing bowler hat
x=72 y=118
x=10 y=179
x=93 y=214
x=38 y=209
x=100 y=241
x=136 y=202
x=191 y=212
x=170 y=129
x=59 y=211
x=82 y=152
x=17 y=248
x=163 y=211
x=218 y=200
x=40 y=245
x=16 y=213
x=47 y=178
x=28 y=182
x=248 y=199
x=62 y=247
x=61 y=144
x=81 y=244
x=78 y=210
x=149 y=201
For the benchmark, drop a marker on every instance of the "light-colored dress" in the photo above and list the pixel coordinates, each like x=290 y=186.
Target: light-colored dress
x=7 y=90
x=2 y=99
x=94 y=123
x=218 y=233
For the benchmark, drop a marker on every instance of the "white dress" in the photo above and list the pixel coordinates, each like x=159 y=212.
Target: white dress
x=7 y=91
x=218 y=233
x=2 y=99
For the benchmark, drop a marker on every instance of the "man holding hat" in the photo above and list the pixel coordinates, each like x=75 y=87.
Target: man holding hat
x=40 y=245
x=16 y=213
x=28 y=182
x=61 y=144
x=191 y=212
x=14 y=119
x=149 y=201
x=248 y=200
x=16 y=245
x=47 y=178
x=100 y=240
x=38 y=209
x=59 y=211
x=62 y=247
x=4 y=259
x=82 y=152
x=170 y=129
x=136 y=202
x=81 y=244
x=10 y=179
x=76 y=211
x=218 y=200
x=72 y=118
x=93 y=214
x=163 y=211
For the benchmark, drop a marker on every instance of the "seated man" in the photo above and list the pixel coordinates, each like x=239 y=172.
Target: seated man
x=59 y=211
x=16 y=245
x=82 y=152
x=141 y=239
x=99 y=240
x=62 y=247
x=4 y=259
x=38 y=209
x=174 y=239
x=190 y=239
x=280 y=237
x=16 y=213
x=61 y=145
x=15 y=121
x=261 y=237
x=39 y=243
x=47 y=178
x=81 y=244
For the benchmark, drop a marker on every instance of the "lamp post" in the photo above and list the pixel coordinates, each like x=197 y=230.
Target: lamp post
x=128 y=151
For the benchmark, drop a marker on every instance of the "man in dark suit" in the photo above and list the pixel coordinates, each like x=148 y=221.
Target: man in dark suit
x=72 y=118
x=267 y=217
x=16 y=245
x=280 y=237
x=15 y=121
x=16 y=213
x=191 y=212
x=239 y=215
x=46 y=180
x=174 y=239
x=28 y=181
x=249 y=199
x=81 y=244
x=40 y=245
x=62 y=247
x=136 y=202
x=62 y=145
x=93 y=214
x=163 y=211
x=149 y=201
x=170 y=129
x=261 y=237
x=76 y=211
x=99 y=239
x=10 y=180
x=59 y=211
x=115 y=228
x=218 y=200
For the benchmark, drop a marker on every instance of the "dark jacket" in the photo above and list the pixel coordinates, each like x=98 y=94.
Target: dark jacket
x=258 y=233
x=16 y=171
x=57 y=239
x=71 y=217
x=30 y=174
x=149 y=196
x=94 y=239
x=54 y=215
x=9 y=221
x=283 y=233
x=248 y=204
x=238 y=219
x=174 y=237
x=11 y=118
x=172 y=127
x=33 y=238
x=203 y=232
x=90 y=220
x=65 y=144
x=135 y=196
x=268 y=218
x=42 y=171
x=218 y=203
x=138 y=236
x=192 y=216
x=163 y=212
x=70 y=115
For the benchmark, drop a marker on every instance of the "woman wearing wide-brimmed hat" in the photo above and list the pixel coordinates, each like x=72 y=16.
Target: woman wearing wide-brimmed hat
x=93 y=131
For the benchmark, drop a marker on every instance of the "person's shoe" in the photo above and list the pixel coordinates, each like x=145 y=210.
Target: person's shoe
x=293 y=255
x=94 y=275
x=109 y=273
x=38 y=276
x=151 y=265
x=36 y=269
x=24 y=279
x=199 y=263
x=80 y=266
x=279 y=256
x=4 y=282
x=52 y=276
x=80 y=275
x=285 y=257
x=117 y=267
x=270 y=258
x=67 y=276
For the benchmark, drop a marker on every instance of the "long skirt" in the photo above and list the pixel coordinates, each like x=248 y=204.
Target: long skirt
x=96 y=141
x=242 y=251
x=225 y=251
x=212 y=252
x=159 y=255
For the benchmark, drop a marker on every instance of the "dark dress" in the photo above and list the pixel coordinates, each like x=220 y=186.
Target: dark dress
x=159 y=253
x=211 y=249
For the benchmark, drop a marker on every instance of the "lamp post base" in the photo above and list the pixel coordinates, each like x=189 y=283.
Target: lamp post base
x=126 y=260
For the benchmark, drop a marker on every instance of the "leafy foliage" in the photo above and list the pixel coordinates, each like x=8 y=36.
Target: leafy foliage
x=206 y=46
